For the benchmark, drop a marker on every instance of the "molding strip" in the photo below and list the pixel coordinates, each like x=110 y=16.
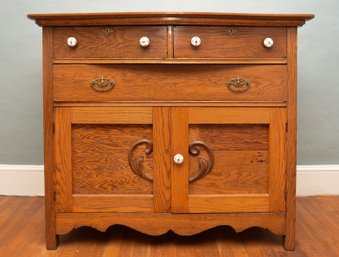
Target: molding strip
x=29 y=180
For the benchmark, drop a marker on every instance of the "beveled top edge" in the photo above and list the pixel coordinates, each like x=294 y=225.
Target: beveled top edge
x=71 y=19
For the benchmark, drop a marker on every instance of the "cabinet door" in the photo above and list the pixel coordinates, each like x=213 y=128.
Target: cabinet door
x=112 y=159
x=234 y=159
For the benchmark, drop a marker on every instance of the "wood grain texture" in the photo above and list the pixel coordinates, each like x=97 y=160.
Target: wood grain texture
x=241 y=158
x=23 y=234
x=115 y=115
x=8 y=217
x=291 y=142
x=121 y=42
x=112 y=203
x=163 y=91
x=162 y=159
x=273 y=173
x=22 y=220
x=231 y=137
x=172 y=60
x=228 y=203
x=171 y=103
x=216 y=42
x=174 y=18
x=172 y=21
x=160 y=223
x=218 y=115
x=179 y=179
x=326 y=223
x=170 y=43
x=170 y=83
x=277 y=168
x=63 y=160
x=234 y=172
x=48 y=121
x=100 y=163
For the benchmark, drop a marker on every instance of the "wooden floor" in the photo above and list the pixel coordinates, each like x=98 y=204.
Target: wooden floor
x=22 y=234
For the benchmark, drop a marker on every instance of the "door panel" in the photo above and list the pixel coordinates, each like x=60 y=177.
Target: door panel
x=236 y=160
x=120 y=159
x=99 y=159
x=105 y=159
x=240 y=158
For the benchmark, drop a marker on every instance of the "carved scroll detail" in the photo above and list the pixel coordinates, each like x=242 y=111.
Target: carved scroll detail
x=205 y=166
x=136 y=163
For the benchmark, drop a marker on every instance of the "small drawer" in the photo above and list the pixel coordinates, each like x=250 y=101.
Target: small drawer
x=110 y=42
x=229 y=42
x=101 y=83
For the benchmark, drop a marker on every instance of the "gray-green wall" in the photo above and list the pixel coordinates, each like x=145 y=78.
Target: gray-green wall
x=20 y=69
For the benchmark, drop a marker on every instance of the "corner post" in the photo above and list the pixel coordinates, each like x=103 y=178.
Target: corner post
x=291 y=143
x=48 y=117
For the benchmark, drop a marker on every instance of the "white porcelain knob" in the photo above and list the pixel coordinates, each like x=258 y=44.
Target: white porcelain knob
x=178 y=158
x=195 y=41
x=144 y=41
x=72 y=41
x=268 y=42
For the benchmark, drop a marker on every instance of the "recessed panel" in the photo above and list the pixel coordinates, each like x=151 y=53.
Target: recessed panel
x=240 y=154
x=100 y=159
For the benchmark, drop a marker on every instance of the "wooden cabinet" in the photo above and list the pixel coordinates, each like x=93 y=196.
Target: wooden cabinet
x=170 y=121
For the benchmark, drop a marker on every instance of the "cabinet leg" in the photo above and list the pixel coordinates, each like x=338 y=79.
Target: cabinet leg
x=289 y=242
x=52 y=241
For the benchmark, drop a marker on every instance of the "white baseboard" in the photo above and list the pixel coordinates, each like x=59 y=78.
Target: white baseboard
x=21 y=179
x=317 y=180
x=29 y=180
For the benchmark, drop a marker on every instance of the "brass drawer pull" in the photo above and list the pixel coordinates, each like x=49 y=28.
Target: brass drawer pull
x=102 y=84
x=238 y=84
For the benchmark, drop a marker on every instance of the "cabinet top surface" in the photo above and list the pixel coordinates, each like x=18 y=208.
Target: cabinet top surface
x=169 y=18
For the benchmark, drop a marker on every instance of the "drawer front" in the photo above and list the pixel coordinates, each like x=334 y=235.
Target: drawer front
x=110 y=42
x=170 y=83
x=229 y=42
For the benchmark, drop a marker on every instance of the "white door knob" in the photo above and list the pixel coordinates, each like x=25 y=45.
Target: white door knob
x=72 y=41
x=144 y=41
x=178 y=158
x=195 y=41
x=268 y=42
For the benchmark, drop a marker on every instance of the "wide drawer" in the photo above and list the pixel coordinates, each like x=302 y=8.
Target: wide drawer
x=110 y=42
x=170 y=82
x=229 y=42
